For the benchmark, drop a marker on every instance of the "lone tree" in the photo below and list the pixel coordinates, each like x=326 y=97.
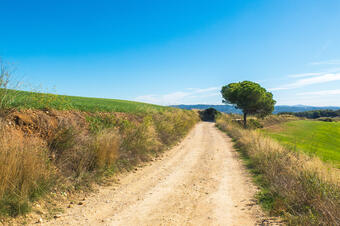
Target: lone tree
x=250 y=97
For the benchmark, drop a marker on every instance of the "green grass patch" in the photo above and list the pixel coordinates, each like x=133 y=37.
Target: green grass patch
x=313 y=137
x=35 y=100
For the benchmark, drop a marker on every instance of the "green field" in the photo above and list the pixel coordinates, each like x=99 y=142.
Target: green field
x=24 y=100
x=313 y=137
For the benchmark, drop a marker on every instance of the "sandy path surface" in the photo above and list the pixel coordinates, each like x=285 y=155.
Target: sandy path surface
x=199 y=182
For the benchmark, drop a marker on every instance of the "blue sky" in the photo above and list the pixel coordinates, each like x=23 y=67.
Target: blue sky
x=175 y=52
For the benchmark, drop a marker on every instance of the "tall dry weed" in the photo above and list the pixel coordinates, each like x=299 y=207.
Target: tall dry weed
x=72 y=151
x=171 y=126
x=106 y=147
x=276 y=119
x=139 y=140
x=25 y=171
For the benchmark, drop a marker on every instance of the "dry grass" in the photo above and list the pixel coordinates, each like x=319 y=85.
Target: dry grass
x=303 y=189
x=24 y=170
x=71 y=152
x=106 y=147
x=272 y=120
x=77 y=147
x=173 y=125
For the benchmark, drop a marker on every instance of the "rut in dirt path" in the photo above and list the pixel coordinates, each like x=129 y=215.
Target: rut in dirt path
x=199 y=182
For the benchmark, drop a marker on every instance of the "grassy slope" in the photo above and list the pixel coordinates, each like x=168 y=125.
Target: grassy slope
x=33 y=100
x=314 y=137
x=111 y=105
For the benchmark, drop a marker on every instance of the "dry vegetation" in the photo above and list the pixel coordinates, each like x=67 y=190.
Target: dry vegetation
x=41 y=150
x=50 y=141
x=272 y=120
x=302 y=189
x=24 y=170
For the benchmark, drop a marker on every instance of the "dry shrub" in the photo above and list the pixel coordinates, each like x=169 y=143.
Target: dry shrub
x=138 y=140
x=106 y=147
x=305 y=190
x=76 y=153
x=24 y=170
x=72 y=151
x=172 y=125
x=165 y=127
x=152 y=133
x=276 y=119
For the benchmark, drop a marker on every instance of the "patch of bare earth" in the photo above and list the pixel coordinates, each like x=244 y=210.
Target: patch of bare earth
x=199 y=182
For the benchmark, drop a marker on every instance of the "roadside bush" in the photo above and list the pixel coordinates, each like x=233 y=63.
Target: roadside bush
x=98 y=122
x=170 y=126
x=62 y=140
x=72 y=152
x=106 y=147
x=325 y=119
x=254 y=124
x=209 y=114
x=302 y=189
x=138 y=140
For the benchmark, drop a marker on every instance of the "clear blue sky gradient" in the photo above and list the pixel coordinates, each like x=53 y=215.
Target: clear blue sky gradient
x=172 y=52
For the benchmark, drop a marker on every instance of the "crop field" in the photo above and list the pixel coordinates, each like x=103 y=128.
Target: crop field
x=313 y=137
x=36 y=100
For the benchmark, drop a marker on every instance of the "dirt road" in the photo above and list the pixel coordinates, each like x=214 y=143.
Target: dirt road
x=199 y=182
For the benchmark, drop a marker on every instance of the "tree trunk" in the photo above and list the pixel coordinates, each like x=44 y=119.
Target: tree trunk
x=245 y=120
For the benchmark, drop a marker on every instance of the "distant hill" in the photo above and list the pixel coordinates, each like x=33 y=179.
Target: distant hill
x=277 y=109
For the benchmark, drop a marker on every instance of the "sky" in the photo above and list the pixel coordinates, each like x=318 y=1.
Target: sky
x=174 y=52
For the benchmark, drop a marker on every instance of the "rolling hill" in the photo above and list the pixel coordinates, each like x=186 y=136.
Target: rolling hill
x=277 y=109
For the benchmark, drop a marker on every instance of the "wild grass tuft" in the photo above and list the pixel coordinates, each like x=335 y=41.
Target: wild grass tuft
x=106 y=148
x=25 y=171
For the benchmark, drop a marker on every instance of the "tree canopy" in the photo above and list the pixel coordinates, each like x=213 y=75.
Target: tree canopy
x=250 y=97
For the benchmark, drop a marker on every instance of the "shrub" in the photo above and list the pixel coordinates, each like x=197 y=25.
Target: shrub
x=72 y=151
x=209 y=114
x=62 y=140
x=99 y=122
x=139 y=140
x=254 y=124
x=170 y=126
x=106 y=147
x=325 y=119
